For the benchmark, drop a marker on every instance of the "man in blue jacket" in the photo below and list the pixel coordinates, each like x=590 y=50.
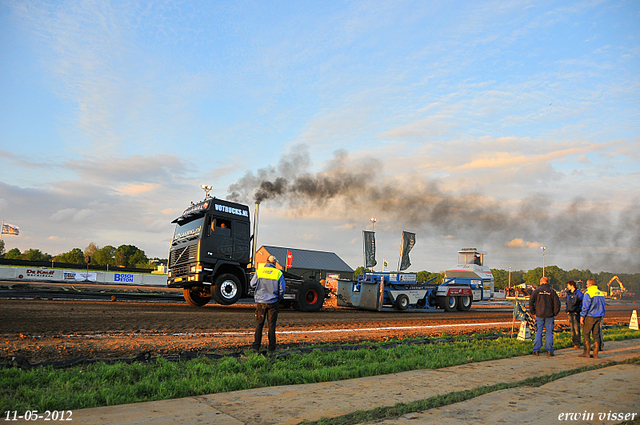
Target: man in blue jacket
x=573 y=309
x=269 y=286
x=591 y=315
x=545 y=304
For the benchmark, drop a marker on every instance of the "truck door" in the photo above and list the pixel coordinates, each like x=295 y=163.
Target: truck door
x=241 y=251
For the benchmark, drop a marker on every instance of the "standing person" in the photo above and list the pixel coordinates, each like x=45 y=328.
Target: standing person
x=573 y=309
x=269 y=286
x=545 y=304
x=591 y=315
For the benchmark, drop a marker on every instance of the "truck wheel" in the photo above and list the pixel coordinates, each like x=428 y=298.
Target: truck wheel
x=196 y=296
x=402 y=302
x=310 y=297
x=448 y=303
x=227 y=289
x=464 y=303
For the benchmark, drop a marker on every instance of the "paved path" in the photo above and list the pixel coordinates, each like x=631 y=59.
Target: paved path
x=615 y=389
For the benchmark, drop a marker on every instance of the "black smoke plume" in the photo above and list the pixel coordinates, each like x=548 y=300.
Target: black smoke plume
x=358 y=188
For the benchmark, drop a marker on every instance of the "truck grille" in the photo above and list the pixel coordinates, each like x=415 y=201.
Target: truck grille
x=183 y=255
x=180 y=271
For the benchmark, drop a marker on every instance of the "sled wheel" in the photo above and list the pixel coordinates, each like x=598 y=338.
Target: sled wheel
x=448 y=303
x=402 y=302
x=464 y=303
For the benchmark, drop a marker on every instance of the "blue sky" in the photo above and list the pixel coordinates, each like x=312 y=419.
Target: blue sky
x=501 y=125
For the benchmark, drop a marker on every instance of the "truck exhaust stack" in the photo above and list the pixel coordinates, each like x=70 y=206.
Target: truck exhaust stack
x=255 y=236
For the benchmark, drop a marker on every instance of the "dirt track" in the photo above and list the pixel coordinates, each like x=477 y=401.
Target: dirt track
x=60 y=329
x=49 y=330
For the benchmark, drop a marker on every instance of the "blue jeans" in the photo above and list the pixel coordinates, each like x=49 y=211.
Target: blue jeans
x=546 y=324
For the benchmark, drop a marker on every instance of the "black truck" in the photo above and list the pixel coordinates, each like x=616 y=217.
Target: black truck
x=210 y=257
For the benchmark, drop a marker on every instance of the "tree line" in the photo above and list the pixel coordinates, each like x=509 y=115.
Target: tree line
x=557 y=278
x=122 y=256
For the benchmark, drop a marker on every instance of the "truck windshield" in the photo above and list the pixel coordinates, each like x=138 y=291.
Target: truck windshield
x=188 y=229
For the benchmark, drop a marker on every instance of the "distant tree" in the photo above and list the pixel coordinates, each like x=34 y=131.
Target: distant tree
x=36 y=255
x=359 y=270
x=532 y=277
x=131 y=256
x=105 y=255
x=75 y=256
x=13 y=254
x=558 y=278
x=501 y=278
x=424 y=276
x=1 y=247
x=90 y=251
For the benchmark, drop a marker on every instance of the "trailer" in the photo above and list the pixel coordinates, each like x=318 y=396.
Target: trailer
x=463 y=284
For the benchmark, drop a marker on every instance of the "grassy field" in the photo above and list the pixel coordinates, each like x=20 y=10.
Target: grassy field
x=78 y=387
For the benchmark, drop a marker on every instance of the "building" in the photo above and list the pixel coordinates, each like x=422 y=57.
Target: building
x=307 y=263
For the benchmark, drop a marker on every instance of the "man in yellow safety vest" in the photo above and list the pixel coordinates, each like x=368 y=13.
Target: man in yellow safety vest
x=591 y=316
x=269 y=286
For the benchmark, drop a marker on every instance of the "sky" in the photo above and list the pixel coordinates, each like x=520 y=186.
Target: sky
x=504 y=125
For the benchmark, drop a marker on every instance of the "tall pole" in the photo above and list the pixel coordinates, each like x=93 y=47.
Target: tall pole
x=255 y=236
x=373 y=229
x=400 y=256
x=543 y=248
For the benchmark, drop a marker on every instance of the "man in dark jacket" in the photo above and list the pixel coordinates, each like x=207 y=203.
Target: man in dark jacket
x=545 y=304
x=573 y=308
x=269 y=286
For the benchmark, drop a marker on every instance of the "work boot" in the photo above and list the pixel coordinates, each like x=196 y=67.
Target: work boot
x=596 y=348
x=587 y=350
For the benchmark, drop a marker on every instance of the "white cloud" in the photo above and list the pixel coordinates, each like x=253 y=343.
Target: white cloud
x=519 y=243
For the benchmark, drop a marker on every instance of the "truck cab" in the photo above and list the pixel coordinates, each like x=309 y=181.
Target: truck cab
x=210 y=252
x=210 y=258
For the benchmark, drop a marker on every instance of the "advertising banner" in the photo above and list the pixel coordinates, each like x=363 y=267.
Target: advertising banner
x=289 y=259
x=408 y=241
x=27 y=273
x=369 y=240
x=80 y=276
x=122 y=278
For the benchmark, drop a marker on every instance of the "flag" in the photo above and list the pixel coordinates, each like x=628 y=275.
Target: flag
x=369 y=240
x=522 y=314
x=519 y=312
x=289 y=259
x=10 y=229
x=408 y=241
x=385 y=265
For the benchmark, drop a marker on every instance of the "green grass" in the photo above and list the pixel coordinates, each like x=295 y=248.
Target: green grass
x=46 y=388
